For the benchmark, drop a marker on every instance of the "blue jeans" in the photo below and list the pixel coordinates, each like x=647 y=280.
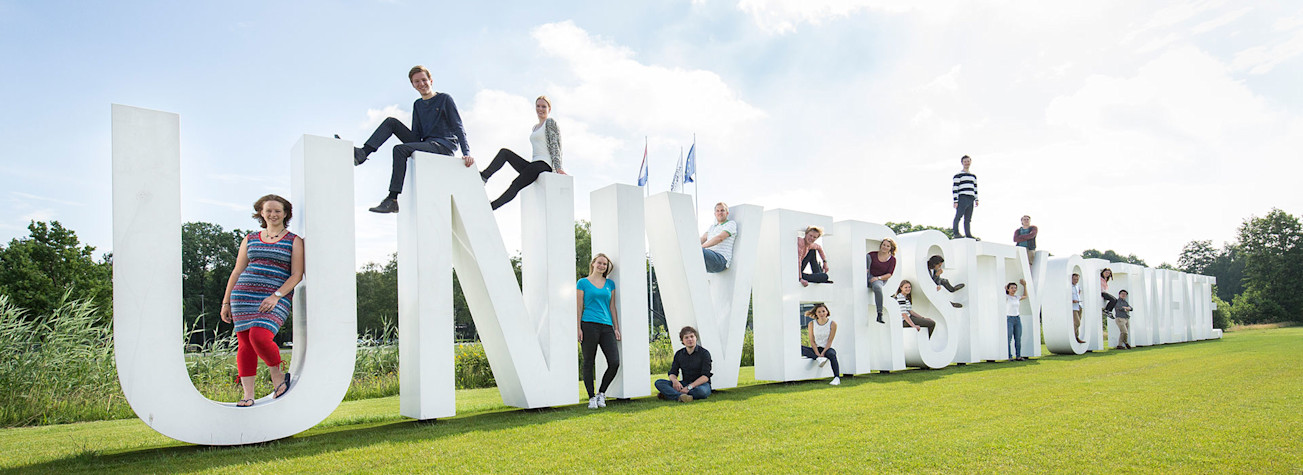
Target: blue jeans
x=667 y=388
x=714 y=262
x=1015 y=334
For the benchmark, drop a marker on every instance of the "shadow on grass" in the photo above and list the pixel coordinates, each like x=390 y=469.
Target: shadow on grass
x=332 y=438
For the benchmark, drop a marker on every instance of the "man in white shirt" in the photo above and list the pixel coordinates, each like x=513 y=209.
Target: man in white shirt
x=717 y=242
x=1076 y=307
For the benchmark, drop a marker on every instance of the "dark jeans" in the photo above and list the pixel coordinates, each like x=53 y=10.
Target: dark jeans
x=666 y=388
x=944 y=283
x=831 y=354
x=411 y=143
x=714 y=261
x=965 y=210
x=1015 y=334
x=812 y=260
x=528 y=171
x=1112 y=301
x=599 y=334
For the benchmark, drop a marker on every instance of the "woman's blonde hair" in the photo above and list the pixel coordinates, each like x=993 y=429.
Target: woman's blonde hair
x=813 y=228
x=545 y=100
x=893 y=245
x=609 y=265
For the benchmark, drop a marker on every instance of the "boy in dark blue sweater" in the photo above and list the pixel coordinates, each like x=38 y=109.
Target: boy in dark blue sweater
x=436 y=128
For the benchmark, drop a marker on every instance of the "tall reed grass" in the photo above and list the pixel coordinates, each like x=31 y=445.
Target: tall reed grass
x=60 y=368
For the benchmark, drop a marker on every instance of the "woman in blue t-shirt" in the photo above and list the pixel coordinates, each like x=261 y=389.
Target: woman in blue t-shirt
x=598 y=325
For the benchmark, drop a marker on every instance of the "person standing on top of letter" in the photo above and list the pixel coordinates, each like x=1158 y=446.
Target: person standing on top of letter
x=717 y=242
x=964 y=192
x=436 y=128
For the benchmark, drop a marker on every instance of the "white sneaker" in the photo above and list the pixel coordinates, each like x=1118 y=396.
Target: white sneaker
x=836 y=380
x=601 y=399
x=822 y=361
x=592 y=402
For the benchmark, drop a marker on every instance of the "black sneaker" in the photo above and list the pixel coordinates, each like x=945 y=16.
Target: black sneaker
x=389 y=205
x=880 y=318
x=956 y=305
x=957 y=287
x=359 y=156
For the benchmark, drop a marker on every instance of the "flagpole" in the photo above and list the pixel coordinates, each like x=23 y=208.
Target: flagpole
x=696 y=188
x=651 y=304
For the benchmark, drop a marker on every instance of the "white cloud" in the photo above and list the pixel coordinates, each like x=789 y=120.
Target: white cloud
x=224 y=204
x=783 y=16
x=375 y=116
x=45 y=198
x=1262 y=59
x=613 y=88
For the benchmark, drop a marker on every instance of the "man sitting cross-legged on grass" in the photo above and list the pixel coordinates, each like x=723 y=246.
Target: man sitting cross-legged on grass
x=693 y=362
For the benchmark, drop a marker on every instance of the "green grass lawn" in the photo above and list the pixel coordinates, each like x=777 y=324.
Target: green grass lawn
x=1230 y=405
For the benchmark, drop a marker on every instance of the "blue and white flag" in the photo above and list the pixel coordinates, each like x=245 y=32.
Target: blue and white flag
x=677 y=185
x=690 y=170
x=642 y=171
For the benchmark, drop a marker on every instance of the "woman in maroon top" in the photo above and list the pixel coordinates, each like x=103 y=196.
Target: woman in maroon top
x=882 y=263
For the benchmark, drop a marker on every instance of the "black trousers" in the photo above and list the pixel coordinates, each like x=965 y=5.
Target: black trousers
x=599 y=334
x=1112 y=301
x=831 y=354
x=411 y=143
x=528 y=171
x=812 y=259
x=965 y=211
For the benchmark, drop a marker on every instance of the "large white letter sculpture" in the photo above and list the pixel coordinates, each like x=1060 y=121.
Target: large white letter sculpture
x=714 y=304
x=921 y=350
x=529 y=336
x=778 y=296
x=617 y=231
x=530 y=339
x=147 y=289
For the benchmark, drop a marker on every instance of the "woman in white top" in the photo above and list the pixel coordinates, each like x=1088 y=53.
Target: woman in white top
x=546 y=143
x=1014 y=317
x=822 y=331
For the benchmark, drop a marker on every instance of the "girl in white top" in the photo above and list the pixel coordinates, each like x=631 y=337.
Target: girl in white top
x=822 y=331
x=1014 y=317
x=545 y=140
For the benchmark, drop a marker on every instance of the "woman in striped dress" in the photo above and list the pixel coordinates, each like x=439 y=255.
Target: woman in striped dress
x=259 y=293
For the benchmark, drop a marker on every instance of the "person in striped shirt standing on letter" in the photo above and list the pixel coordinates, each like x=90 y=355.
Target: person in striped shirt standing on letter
x=964 y=193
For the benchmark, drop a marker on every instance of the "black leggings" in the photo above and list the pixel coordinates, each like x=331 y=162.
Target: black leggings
x=529 y=171
x=1112 y=301
x=411 y=143
x=599 y=334
x=811 y=259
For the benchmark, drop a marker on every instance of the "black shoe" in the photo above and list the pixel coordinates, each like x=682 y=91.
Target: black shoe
x=484 y=179
x=957 y=287
x=359 y=156
x=956 y=305
x=880 y=318
x=389 y=205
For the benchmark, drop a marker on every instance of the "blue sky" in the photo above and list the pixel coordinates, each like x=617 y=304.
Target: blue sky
x=1135 y=126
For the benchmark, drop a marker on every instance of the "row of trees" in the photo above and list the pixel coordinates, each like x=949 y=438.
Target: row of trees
x=1258 y=271
x=1254 y=273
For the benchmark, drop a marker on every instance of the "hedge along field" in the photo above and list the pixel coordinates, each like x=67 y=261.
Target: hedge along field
x=1230 y=405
